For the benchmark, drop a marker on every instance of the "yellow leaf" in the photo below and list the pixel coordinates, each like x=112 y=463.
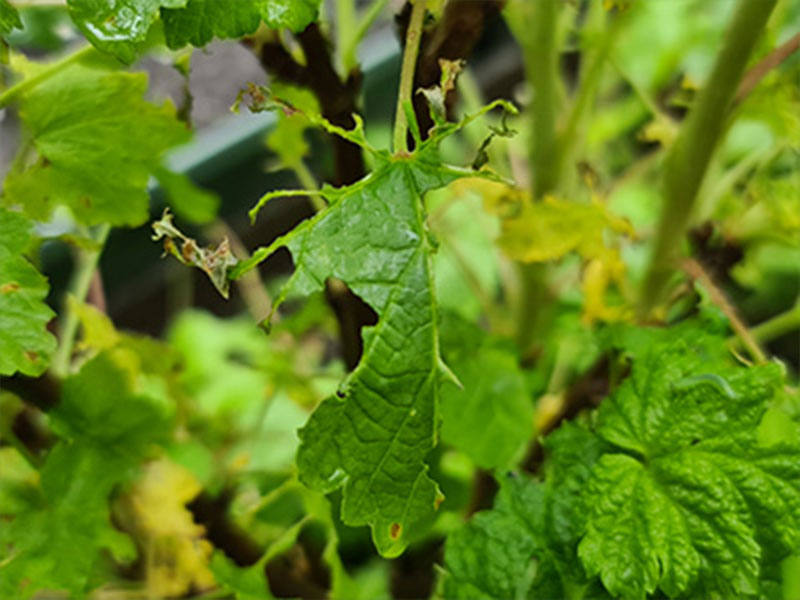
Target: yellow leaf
x=598 y=275
x=176 y=553
x=548 y=230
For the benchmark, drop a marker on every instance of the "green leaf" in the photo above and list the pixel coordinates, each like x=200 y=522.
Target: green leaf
x=90 y=157
x=694 y=497
x=106 y=431
x=526 y=546
x=9 y=18
x=491 y=417
x=188 y=200
x=373 y=438
x=246 y=583
x=572 y=452
x=25 y=343
x=492 y=556
x=203 y=20
x=118 y=26
x=292 y=14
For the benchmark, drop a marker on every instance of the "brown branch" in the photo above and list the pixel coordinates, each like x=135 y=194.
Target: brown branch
x=461 y=26
x=754 y=76
x=338 y=102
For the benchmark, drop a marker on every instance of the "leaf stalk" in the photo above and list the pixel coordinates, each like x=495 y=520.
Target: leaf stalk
x=404 y=95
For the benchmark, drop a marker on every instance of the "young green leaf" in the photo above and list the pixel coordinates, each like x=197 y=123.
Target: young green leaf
x=694 y=497
x=118 y=26
x=25 y=343
x=89 y=156
x=105 y=430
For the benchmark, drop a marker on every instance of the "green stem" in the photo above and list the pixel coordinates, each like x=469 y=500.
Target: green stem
x=689 y=157
x=52 y=69
x=345 y=27
x=541 y=60
x=778 y=325
x=410 y=53
x=79 y=288
x=349 y=53
x=307 y=180
x=587 y=89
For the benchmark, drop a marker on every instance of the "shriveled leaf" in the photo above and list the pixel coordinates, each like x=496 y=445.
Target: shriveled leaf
x=25 y=343
x=90 y=157
x=105 y=432
x=214 y=262
x=118 y=26
x=695 y=498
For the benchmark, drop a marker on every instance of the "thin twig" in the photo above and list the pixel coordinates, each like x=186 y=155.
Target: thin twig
x=754 y=76
x=695 y=270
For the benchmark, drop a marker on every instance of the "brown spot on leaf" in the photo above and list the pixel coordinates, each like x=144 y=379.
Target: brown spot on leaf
x=7 y=288
x=31 y=355
x=437 y=502
x=395 y=530
x=86 y=201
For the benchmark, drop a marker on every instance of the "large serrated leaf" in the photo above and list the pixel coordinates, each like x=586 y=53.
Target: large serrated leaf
x=90 y=157
x=118 y=26
x=695 y=497
x=526 y=546
x=25 y=343
x=374 y=437
x=491 y=557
